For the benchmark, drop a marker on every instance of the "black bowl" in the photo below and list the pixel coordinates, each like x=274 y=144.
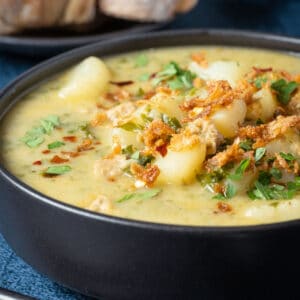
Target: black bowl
x=116 y=258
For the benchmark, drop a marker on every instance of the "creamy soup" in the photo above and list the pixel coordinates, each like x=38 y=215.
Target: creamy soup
x=189 y=135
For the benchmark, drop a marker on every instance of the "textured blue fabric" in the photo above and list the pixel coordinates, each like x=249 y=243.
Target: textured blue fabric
x=275 y=16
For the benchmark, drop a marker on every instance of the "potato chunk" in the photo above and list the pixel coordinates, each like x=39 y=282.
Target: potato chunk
x=227 y=119
x=126 y=138
x=86 y=81
x=218 y=70
x=264 y=105
x=166 y=105
x=180 y=166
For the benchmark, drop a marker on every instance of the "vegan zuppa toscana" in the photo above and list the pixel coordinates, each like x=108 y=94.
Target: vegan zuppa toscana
x=187 y=135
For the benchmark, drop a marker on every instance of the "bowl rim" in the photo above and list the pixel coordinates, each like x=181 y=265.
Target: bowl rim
x=287 y=44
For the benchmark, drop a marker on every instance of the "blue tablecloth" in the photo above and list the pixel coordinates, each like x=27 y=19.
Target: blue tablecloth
x=276 y=16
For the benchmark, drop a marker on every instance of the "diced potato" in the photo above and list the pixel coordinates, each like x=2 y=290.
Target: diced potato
x=181 y=167
x=289 y=143
x=126 y=138
x=86 y=81
x=243 y=185
x=166 y=105
x=218 y=70
x=263 y=107
x=227 y=119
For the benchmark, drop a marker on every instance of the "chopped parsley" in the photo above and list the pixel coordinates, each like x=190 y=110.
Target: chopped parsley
x=287 y=156
x=175 y=77
x=259 y=122
x=229 y=192
x=85 y=128
x=58 y=170
x=130 y=126
x=258 y=82
x=142 y=159
x=212 y=177
x=35 y=136
x=141 y=60
x=140 y=195
x=55 y=144
x=172 y=122
x=240 y=170
x=246 y=145
x=265 y=189
x=128 y=151
x=276 y=173
x=132 y=153
x=284 y=90
x=144 y=77
x=259 y=153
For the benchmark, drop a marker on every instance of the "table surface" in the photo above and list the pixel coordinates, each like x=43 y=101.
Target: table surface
x=274 y=16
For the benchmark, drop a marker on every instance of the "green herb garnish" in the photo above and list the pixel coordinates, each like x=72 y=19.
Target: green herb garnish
x=85 y=128
x=141 y=60
x=258 y=82
x=130 y=126
x=212 y=177
x=144 y=77
x=58 y=170
x=175 y=77
x=56 y=144
x=140 y=195
x=264 y=189
x=259 y=153
x=284 y=90
x=35 y=136
x=276 y=173
x=128 y=151
x=229 y=192
x=240 y=170
x=259 y=122
x=246 y=145
x=172 y=122
x=287 y=156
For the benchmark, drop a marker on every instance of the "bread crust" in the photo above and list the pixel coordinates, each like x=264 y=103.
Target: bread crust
x=140 y=10
x=17 y=15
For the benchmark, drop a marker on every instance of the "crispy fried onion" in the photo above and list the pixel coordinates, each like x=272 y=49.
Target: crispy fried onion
x=265 y=133
x=157 y=134
x=220 y=94
x=233 y=153
x=147 y=174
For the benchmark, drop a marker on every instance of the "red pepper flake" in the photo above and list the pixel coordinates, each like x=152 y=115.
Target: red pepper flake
x=46 y=151
x=70 y=138
x=58 y=160
x=162 y=150
x=224 y=207
x=37 y=163
x=70 y=153
x=121 y=83
x=262 y=70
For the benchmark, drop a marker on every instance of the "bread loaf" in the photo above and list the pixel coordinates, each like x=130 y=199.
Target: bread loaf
x=17 y=15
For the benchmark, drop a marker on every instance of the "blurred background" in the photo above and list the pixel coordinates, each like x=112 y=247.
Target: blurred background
x=20 y=50
x=272 y=16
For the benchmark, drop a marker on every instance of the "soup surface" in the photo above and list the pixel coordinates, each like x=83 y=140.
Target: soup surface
x=193 y=135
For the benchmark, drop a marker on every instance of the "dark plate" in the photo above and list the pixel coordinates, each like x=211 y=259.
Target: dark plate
x=46 y=43
x=117 y=258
